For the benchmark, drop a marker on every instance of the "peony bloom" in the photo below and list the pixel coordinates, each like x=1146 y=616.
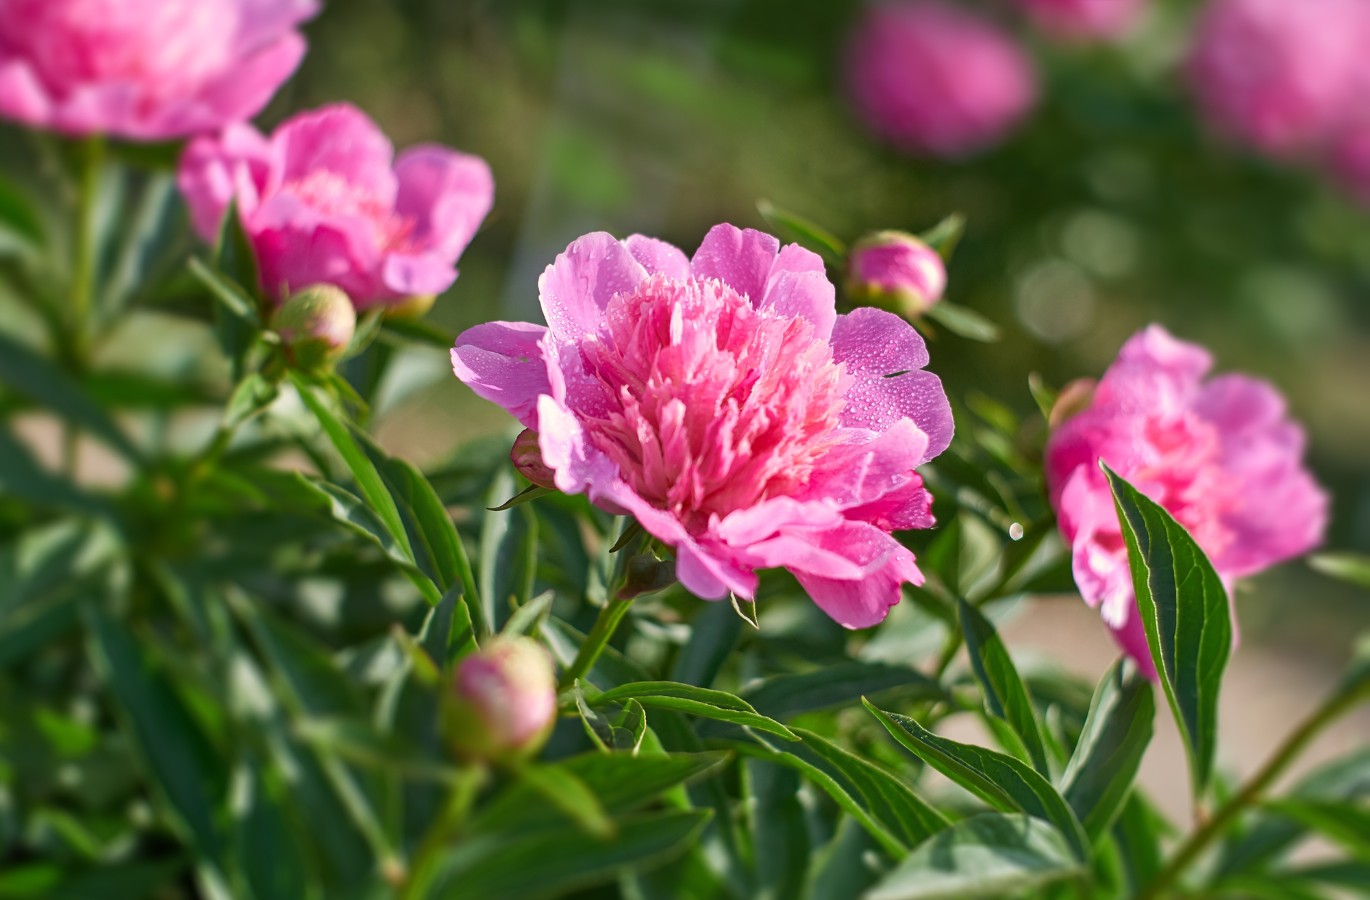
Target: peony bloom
x=931 y=78
x=504 y=700
x=895 y=271
x=1220 y=455
x=1281 y=76
x=145 y=69
x=724 y=404
x=1077 y=19
x=324 y=201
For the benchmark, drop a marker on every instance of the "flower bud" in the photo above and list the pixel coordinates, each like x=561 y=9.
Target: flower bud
x=526 y=456
x=504 y=701
x=316 y=325
x=897 y=272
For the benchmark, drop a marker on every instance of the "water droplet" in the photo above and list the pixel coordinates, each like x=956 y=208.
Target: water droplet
x=1015 y=531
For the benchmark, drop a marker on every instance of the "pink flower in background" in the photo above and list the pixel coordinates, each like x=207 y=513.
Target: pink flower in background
x=932 y=78
x=722 y=402
x=324 y=201
x=1220 y=455
x=1281 y=76
x=145 y=69
x=1075 y=19
x=1351 y=160
x=895 y=271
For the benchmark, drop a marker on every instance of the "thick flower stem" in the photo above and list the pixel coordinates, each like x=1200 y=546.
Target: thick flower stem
x=1251 y=792
x=598 y=638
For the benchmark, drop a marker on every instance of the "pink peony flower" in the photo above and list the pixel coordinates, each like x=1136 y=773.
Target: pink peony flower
x=1076 y=19
x=895 y=271
x=1351 y=160
x=324 y=202
x=1220 y=455
x=931 y=78
x=145 y=69
x=724 y=404
x=1280 y=76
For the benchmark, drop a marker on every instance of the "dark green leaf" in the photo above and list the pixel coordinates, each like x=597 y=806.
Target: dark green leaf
x=702 y=702
x=964 y=322
x=1345 y=822
x=447 y=633
x=22 y=478
x=420 y=330
x=527 y=618
x=779 y=832
x=838 y=684
x=1106 y=759
x=1184 y=609
x=1349 y=567
x=1004 y=692
x=803 y=232
x=234 y=255
x=714 y=631
x=17 y=215
x=989 y=855
x=559 y=787
x=945 y=235
x=1001 y=781
x=508 y=548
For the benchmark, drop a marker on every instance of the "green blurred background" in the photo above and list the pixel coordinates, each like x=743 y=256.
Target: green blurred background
x=1113 y=207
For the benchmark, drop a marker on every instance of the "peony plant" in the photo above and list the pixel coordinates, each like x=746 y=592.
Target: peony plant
x=718 y=611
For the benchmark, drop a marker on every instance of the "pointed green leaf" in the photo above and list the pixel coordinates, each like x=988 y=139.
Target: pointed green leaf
x=803 y=232
x=1005 y=695
x=702 y=702
x=1184 y=609
x=1109 y=753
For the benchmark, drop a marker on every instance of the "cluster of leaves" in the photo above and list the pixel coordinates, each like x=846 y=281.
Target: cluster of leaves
x=222 y=676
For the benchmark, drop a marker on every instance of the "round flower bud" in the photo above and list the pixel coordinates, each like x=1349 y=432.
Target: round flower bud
x=316 y=325
x=504 y=701
x=526 y=456
x=897 y=272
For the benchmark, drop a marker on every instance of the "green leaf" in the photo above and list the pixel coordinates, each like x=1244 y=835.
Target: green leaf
x=714 y=631
x=552 y=862
x=420 y=330
x=945 y=235
x=1005 y=695
x=989 y=855
x=147 y=239
x=1001 y=781
x=179 y=758
x=1138 y=833
x=1349 y=567
x=236 y=321
x=1343 y=821
x=1116 y=733
x=803 y=232
x=839 y=684
x=559 y=787
x=234 y=255
x=22 y=478
x=779 y=833
x=269 y=851
x=447 y=633
x=964 y=322
x=702 y=702
x=508 y=555
x=527 y=618
x=18 y=217
x=1185 y=611
x=34 y=377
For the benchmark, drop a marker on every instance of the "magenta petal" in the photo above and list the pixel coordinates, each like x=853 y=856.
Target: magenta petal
x=875 y=482
x=502 y=362
x=339 y=139
x=446 y=195
x=240 y=93
x=884 y=355
x=22 y=95
x=1131 y=637
x=709 y=577
x=658 y=257
x=866 y=601
x=798 y=285
x=741 y=259
x=297 y=253
x=578 y=286
x=414 y=275
x=263 y=20
x=217 y=170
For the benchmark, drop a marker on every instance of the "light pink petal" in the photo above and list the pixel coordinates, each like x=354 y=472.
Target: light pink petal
x=658 y=257
x=741 y=259
x=342 y=140
x=865 y=601
x=446 y=195
x=293 y=255
x=712 y=577
x=745 y=527
x=1261 y=539
x=238 y=94
x=884 y=354
x=109 y=108
x=1154 y=371
x=875 y=481
x=414 y=275
x=798 y=285
x=263 y=20
x=578 y=286
x=22 y=95
x=503 y=363
x=217 y=170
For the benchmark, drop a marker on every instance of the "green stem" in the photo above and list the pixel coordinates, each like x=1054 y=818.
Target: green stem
x=459 y=802
x=83 y=261
x=598 y=638
x=1250 y=792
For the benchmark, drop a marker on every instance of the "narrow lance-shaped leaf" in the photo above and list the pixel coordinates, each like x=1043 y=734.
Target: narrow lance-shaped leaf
x=702 y=702
x=1005 y=695
x=1184 y=610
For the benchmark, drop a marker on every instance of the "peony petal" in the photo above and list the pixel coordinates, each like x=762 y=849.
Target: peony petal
x=658 y=257
x=412 y=275
x=217 y=170
x=22 y=95
x=865 y=601
x=503 y=363
x=884 y=354
x=798 y=285
x=342 y=140
x=262 y=21
x=296 y=254
x=238 y=94
x=446 y=195
x=578 y=286
x=741 y=259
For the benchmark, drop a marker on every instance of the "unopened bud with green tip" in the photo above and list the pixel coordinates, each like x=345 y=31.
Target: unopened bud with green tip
x=895 y=271
x=526 y=455
x=503 y=702
x=316 y=326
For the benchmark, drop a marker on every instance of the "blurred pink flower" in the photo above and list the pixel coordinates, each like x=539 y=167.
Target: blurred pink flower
x=723 y=403
x=1076 y=19
x=1220 y=455
x=145 y=69
x=504 y=700
x=1351 y=159
x=324 y=201
x=1281 y=76
x=895 y=271
x=932 y=78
